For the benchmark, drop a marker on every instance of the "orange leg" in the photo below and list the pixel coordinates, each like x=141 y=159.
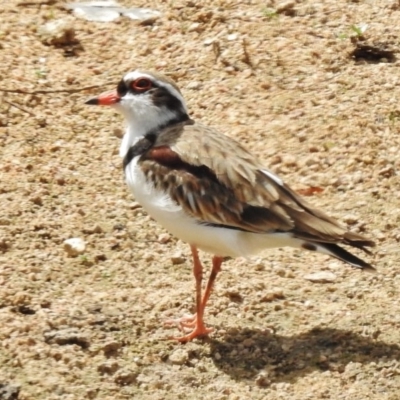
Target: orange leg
x=197 y=321
x=216 y=269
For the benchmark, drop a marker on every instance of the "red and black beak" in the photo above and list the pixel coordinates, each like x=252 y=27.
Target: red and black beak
x=105 y=99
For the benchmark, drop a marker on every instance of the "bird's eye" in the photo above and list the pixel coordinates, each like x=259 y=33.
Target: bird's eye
x=141 y=84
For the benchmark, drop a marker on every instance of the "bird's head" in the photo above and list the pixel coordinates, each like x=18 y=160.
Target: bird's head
x=146 y=99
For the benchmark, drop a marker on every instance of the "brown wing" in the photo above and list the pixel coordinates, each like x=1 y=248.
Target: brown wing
x=219 y=182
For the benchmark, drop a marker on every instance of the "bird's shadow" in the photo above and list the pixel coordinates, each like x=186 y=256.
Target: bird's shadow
x=243 y=354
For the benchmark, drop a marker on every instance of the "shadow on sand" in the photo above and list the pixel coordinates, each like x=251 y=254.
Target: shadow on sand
x=242 y=354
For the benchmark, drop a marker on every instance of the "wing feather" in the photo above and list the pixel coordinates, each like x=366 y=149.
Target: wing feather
x=217 y=181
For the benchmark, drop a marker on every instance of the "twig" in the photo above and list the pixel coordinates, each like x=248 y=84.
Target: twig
x=36 y=3
x=43 y=91
x=216 y=49
x=246 y=54
x=19 y=107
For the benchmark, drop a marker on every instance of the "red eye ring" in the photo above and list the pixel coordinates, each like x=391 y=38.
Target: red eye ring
x=141 y=84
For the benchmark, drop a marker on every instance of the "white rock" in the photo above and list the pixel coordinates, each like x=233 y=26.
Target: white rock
x=74 y=246
x=321 y=277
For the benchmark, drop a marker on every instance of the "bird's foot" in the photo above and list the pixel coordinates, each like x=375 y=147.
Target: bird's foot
x=186 y=323
x=198 y=330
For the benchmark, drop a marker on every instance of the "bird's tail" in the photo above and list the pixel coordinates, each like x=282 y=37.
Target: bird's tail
x=338 y=252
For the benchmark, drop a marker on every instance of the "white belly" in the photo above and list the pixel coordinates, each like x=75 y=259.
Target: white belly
x=217 y=241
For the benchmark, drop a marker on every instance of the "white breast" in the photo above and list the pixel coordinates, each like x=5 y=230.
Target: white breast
x=214 y=240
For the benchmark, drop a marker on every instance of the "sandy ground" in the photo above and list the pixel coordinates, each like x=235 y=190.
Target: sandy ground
x=309 y=93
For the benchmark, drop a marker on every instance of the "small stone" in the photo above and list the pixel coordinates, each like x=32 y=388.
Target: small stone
x=177 y=259
x=126 y=376
x=195 y=85
x=276 y=159
x=67 y=336
x=289 y=160
x=272 y=295
x=262 y=379
x=148 y=257
x=232 y=36
x=118 y=132
x=60 y=180
x=74 y=246
x=111 y=346
x=108 y=367
x=248 y=342
x=93 y=229
x=36 y=200
x=280 y=272
x=179 y=357
x=5 y=221
x=352 y=369
x=195 y=27
x=321 y=277
x=350 y=219
x=60 y=32
x=209 y=41
x=134 y=205
x=286 y=8
x=164 y=238
x=4 y=245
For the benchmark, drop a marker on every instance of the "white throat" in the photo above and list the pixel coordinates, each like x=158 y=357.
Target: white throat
x=142 y=119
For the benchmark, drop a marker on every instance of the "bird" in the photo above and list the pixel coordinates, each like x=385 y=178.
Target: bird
x=208 y=190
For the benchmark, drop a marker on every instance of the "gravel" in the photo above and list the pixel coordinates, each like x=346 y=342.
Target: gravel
x=296 y=84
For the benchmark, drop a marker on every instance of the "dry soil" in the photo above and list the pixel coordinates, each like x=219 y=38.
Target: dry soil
x=310 y=91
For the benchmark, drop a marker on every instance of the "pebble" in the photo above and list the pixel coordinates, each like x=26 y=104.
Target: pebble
x=126 y=376
x=352 y=369
x=262 y=379
x=208 y=41
x=118 y=132
x=108 y=367
x=4 y=245
x=289 y=160
x=350 y=219
x=273 y=294
x=179 y=357
x=286 y=8
x=164 y=238
x=195 y=85
x=93 y=229
x=177 y=259
x=195 y=27
x=67 y=336
x=321 y=277
x=74 y=246
x=111 y=346
x=36 y=200
x=60 y=32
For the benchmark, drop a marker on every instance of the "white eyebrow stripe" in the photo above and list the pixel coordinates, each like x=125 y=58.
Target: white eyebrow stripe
x=272 y=176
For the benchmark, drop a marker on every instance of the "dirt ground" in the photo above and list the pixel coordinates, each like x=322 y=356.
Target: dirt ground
x=310 y=92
